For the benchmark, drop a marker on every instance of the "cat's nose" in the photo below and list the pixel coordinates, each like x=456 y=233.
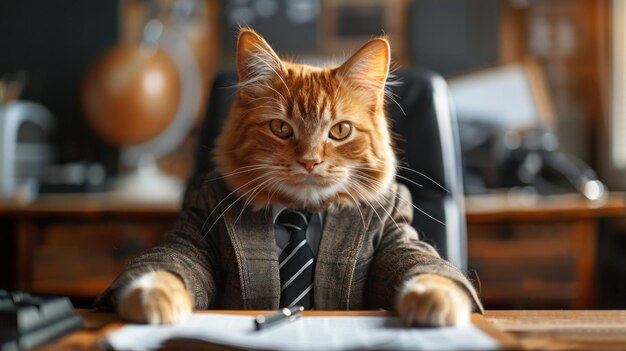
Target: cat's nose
x=309 y=164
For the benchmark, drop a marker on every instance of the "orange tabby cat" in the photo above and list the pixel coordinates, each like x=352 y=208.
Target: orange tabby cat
x=297 y=119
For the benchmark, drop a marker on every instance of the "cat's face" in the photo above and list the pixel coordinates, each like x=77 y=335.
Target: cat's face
x=307 y=137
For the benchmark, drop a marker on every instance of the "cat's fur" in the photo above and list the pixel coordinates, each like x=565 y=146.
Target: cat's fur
x=307 y=169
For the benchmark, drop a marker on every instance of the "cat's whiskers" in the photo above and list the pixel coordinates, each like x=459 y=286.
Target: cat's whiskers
x=361 y=166
x=247 y=167
x=356 y=204
x=361 y=186
x=224 y=199
x=254 y=168
x=217 y=206
x=231 y=205
x=390 y=97
x=276 y=167
x=417 y=208
x=366 y=182
x=251 y=197
x=270 y=188
x=389 y=94
x=239 y=171
x=355 y=187
x=423 y=175
x=265 y=164
x=273 y=191
x=267 y=161
x=275 y=179
x=409 y=180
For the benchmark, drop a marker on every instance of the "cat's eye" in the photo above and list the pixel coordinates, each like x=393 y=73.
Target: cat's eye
x=340 y=131
x=281 y=128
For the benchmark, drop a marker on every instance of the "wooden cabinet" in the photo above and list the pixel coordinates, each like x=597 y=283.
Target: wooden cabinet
x=537 y=254
x=76 y=245
x=80 y=258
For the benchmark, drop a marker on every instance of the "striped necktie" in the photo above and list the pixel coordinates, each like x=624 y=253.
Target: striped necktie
x=296 y=262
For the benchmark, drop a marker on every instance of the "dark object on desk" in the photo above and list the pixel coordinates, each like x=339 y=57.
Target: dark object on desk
x=264 y=321
x=531 y=158
x=75 y=177
x=424 y=122
x=526 y=159
x=27 y=321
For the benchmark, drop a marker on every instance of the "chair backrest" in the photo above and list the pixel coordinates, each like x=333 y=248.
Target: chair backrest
x=424 y=123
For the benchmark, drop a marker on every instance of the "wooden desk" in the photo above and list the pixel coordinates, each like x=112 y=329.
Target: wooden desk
x=563 y=330
x=527 y=330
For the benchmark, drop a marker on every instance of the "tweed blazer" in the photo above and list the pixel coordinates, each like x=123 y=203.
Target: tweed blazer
x=225 y=253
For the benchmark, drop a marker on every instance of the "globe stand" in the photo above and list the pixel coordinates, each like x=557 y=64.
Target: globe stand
x=148 y=182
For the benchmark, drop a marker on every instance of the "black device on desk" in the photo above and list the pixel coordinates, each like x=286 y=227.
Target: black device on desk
x=27 y=321
x=524 y=159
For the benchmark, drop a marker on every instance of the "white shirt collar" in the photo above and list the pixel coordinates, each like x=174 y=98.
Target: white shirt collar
x=277 y=208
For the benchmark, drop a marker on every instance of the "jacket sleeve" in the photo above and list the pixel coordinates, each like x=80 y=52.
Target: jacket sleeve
x=401 y=255
x=184 y=251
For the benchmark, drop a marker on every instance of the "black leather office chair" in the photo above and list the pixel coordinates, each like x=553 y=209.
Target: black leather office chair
x=425 y=122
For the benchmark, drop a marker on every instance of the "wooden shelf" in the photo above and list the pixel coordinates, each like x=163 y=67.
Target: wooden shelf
x=498 y=207
x=89 y=205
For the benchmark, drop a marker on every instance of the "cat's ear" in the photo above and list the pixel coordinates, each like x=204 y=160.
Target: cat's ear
x=368 y=68
x=256 y=61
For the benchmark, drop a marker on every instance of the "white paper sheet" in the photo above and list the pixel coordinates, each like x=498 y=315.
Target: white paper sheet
x=306 y=333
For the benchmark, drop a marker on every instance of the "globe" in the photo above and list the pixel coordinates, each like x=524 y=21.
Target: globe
x=132 y=94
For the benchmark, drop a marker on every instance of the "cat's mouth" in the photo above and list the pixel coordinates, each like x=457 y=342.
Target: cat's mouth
x=311 y=180
x=311 y=191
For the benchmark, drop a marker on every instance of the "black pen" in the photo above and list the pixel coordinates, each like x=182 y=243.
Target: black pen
x=263 y=321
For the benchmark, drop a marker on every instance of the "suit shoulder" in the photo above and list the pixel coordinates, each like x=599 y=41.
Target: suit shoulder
x=205 y=187
x=397 y=192
x=403 y=191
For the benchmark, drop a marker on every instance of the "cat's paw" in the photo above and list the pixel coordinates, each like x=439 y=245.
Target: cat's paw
x=156 y=298
x=432 y=300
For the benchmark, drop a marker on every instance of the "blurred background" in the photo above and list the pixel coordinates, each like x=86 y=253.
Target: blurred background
x=101 y=104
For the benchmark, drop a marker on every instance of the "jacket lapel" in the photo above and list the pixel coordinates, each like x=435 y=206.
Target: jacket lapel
x=254 y=242
x=342 y=239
